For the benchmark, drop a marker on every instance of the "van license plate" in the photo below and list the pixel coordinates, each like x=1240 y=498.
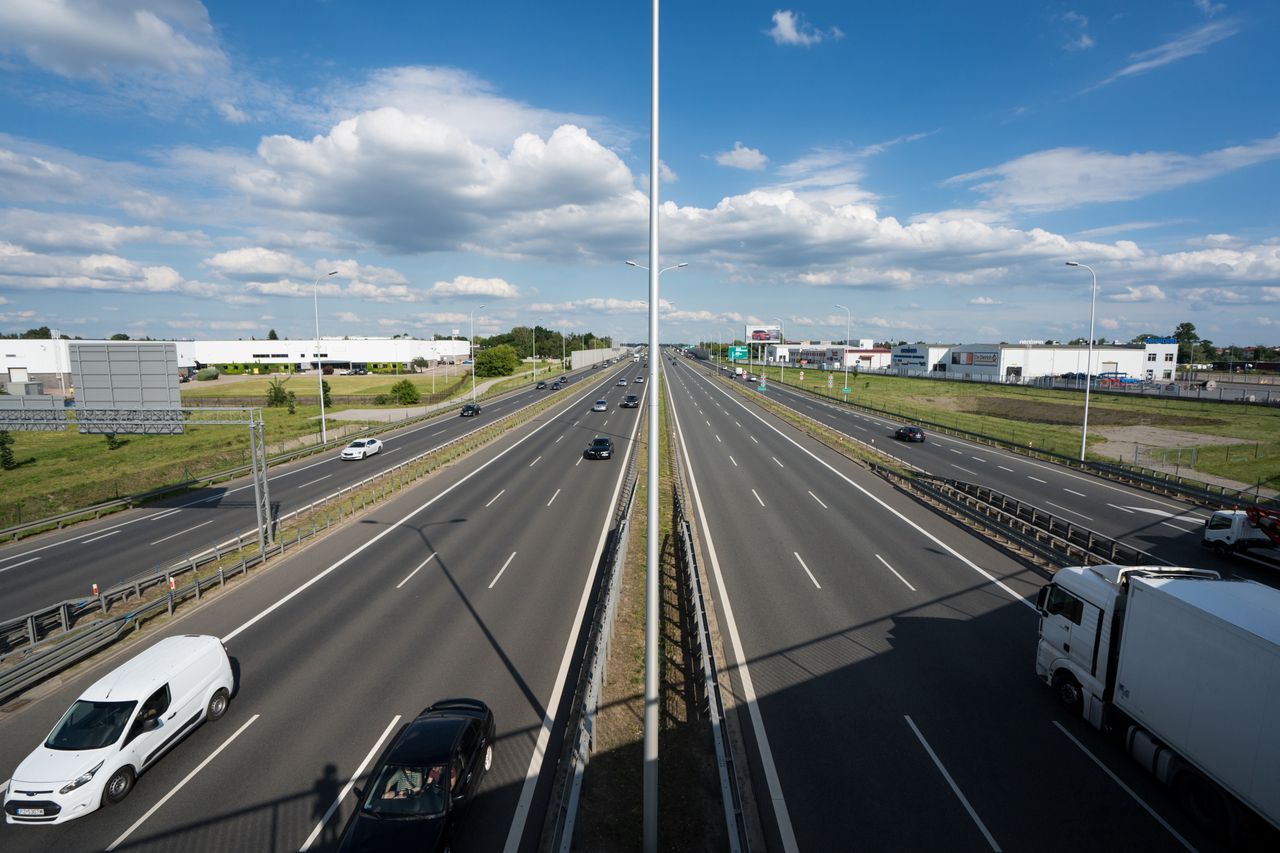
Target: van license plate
x=30 y=812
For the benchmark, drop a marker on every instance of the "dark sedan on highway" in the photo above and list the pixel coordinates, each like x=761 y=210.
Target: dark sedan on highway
x=909 y=433
x=422 y=781
x=631 y=402
x=470 y=410
x=600 y=448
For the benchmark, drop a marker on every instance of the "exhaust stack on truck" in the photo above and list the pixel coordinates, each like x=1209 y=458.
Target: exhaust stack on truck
x=1185 y=667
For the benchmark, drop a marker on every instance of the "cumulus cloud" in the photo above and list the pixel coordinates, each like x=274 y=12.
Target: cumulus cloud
x=62 y=232
x=1138 y=293
x=791 y=28
x=270 y=272
x=984 y=300
x=1191 y=43
x=742 y=157
x=1077 y=27
x=232 y=113
x=469 y=286
x=21 y=268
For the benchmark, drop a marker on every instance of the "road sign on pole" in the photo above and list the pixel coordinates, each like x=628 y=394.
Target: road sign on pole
x=738 y=353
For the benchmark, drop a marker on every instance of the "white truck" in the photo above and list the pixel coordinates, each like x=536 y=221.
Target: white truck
x=1231 y=531
x=1185 y=668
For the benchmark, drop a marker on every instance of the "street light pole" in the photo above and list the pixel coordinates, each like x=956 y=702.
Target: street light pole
x=1088 y=368
x=782 y=341
x=315 y=302
x=844 y=356
x=471 y=349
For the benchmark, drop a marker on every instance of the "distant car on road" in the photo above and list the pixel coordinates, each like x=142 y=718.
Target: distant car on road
x=540 y=386
x=595 y=366
x=631 y=402
x=557 y=385
x=622 y=382
x=423 y=780
x=362 y=447
x=600 y=448
x=639 y=380
x=909 y=433
x=600 y=406
x=470 y=410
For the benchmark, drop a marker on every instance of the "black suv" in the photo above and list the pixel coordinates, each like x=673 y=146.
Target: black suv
x=540 y=386
x=909 y=433
x=600 y=448
x=470 y=410
x=420 y=783
x=631 y=402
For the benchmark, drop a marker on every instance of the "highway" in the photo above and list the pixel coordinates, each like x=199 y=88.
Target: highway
x=46 y=569
x=473 y=583
x=882 y=659
x=1168 y=529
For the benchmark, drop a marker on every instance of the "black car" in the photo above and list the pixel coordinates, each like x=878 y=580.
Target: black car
x=909 y=433
x=595 y=366
x=422 y=781
x=540 y=386
x=470 y=410
x=556 y=386
x=630 y=402
x=600 y=448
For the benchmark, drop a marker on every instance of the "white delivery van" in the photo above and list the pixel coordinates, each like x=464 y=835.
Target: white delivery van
x=118 y=728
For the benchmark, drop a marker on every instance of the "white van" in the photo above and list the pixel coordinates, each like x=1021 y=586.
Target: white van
x=119 y=727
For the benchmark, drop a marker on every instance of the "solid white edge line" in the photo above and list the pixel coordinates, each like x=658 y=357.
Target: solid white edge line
x=415 y=571
x=161 y=515
x=1124 y=787
x=819 y=500
x=14 y=566
x=895 y=571
x=178 y=787
x=521 y=816
x=1067 y=509
x=806 y=570
x=96 y=538
x=313 y=482
x=955 y=789
x=776 y=798
x=494 y=498
x=346 y=789
x=501 y=570
x=553 y=498
x=934 y=539
x=184 y=531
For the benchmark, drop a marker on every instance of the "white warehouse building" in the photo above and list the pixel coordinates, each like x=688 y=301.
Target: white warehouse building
x=1155 y=360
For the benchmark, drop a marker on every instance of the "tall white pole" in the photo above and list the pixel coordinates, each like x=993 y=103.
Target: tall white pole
x=315 y=303
x=471 y=350
x=1088 y=368
x=651 y=660
x=782 y=341
x=844 y=355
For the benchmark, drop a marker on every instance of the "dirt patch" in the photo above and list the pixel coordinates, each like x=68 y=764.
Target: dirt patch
x=1068 y=414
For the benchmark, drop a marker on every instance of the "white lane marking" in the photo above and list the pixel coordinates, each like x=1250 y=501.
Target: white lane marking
x=953 y=450
x=731 y=459
x=1037 y=479
x=895 y=571
x=978 y=458
x=966 y=470
x=864 y=429
x=437 y=432
x=163 y=515
x=776 y=798
x=735 y=423
x=313 y=482
x=184 y=531
x=415 y=571
x=346 y=789
x=1124 y=787
x=753 y=438
x=553 y=498
x=1072 y=511
x=775 y=459
x=1003 y=468
x=1176 y=527
x=753 y=491
x=1121 y=508
x=557 y=441
x=718 y=441
x=579 y=462
x=176 y=788
x=818 y=499
x=501 y=570
x=494 y=498
x=389 y=450
x=806 y=570
x=96 y=538
x=14 y=566
x=1074 y=492
x=535 y=462
x=934 y=539
x=955 y=789
x=708 y=423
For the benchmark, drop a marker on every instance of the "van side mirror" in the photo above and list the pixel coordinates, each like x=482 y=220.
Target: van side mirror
x=151 y=724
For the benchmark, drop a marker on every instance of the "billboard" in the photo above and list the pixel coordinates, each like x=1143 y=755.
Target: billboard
x=125 y=375
x=980 y=359
x=764 y=334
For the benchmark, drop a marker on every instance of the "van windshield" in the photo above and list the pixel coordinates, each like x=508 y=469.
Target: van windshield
x=90 y=725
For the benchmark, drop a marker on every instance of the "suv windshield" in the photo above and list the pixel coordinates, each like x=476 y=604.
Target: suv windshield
x=402 y=791
x=90 y=725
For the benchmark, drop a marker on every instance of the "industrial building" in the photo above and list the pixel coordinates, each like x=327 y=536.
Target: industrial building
x=1156 y=360
x=825 y=355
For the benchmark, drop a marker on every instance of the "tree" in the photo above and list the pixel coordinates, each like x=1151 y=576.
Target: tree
x=272 y=336
x=405 y=393
x=276 y=393
x=1187 y=337
x=501 y=360
x=324 y=385
x=119 y=336
x=7 y=462
x=41 y=333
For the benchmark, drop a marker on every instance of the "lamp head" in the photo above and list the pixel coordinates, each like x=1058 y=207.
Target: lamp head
x=1073 y=263
x=632 y=264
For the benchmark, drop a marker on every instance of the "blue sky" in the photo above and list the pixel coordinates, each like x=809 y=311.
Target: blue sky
x=169 y=168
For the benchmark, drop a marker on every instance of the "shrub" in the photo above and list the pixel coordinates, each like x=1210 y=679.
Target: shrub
x=7 y=462
x=382 y=400
x=276 y=393
x=206 y=374
x=405 y=393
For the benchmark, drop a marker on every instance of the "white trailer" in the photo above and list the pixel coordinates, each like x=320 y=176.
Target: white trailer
x=1185 y=667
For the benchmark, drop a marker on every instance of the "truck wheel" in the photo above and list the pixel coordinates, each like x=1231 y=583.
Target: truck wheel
x=1206 y=803
x=1069 y=694
x=1220 y=549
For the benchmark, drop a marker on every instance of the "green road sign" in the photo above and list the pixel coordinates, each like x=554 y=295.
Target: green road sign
x=738 y=353
x=846 y=390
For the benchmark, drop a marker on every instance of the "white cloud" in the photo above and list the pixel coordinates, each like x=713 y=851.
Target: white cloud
x=232 y=113
x=269 y=272
x=59 y=232
x=1066 y=177
x=469 y=286
x=21 y=268
x=1138 y=293
x=1079 y=38
x=742 y=157
x=1109 y=323
x=1188 y=44
x=984 y=300
x=790 y=28
x=1208 y=8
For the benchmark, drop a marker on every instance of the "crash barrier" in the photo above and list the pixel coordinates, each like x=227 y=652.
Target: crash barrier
x=41 y=643
x=557 y=832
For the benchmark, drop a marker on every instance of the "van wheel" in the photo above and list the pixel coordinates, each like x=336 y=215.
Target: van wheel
x=1206 y=803
x=1069 y=694
x=118 y=786
x=217 y=706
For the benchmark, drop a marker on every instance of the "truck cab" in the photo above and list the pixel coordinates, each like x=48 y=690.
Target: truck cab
x=1229 y=531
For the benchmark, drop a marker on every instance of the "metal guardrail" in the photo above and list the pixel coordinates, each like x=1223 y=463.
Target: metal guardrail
x=24 y=634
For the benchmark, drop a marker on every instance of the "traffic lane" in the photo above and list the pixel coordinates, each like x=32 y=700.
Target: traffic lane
x=326 y=615
x=45 y=573
x=822 y=672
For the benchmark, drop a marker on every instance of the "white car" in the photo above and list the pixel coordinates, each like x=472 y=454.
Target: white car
x=639 y=380
x=118 y=728
x=622 y=382
x=362 y=447
x=600 y=406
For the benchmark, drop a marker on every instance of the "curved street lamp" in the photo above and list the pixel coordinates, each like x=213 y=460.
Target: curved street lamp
x=471 y=349
x=1088 y=368
x=315 y=302
x=844 y=356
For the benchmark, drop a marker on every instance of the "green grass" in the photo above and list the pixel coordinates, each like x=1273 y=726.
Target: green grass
x=1050 y=420
x=305 y=385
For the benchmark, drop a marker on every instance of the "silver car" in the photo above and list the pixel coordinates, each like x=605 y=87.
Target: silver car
x=600 y=406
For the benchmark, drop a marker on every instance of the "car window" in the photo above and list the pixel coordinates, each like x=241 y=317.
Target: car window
x=157 y=703
x=407 y=791
x=90 y=725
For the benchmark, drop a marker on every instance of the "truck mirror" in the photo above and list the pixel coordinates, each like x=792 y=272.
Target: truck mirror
x=1042 y=598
